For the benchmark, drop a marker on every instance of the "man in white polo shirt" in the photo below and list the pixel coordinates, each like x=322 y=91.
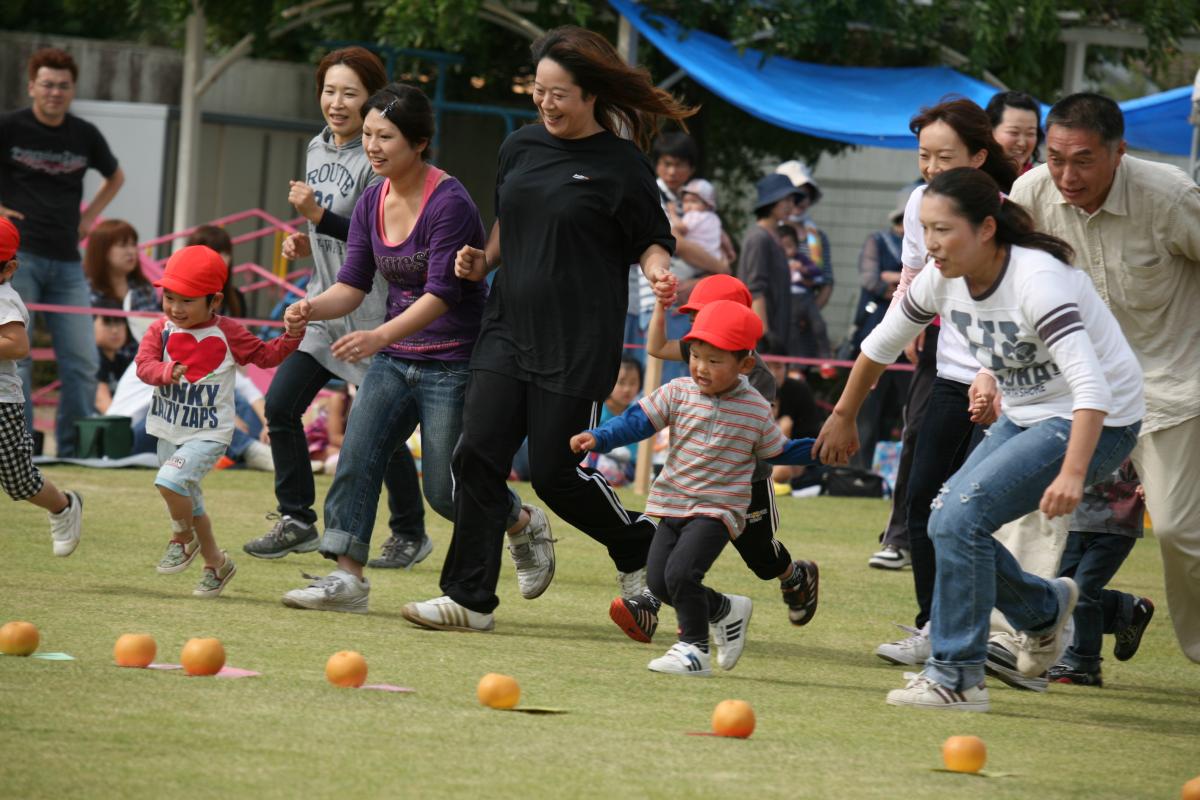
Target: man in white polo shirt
x=1135 y=227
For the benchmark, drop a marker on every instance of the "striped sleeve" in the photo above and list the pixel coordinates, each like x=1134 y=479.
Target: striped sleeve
x=657 y=405
x=1059 y=322
x=1050 y=303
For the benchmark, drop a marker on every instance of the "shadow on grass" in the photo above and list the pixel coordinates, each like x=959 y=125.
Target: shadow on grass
x=169 y=594
x=1088 y=719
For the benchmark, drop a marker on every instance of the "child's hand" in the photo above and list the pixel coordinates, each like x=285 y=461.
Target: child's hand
x=470 y=264
x=296 y=317
x=583 y=442
x=665 y=286
x=177 y=372
x=296 y=246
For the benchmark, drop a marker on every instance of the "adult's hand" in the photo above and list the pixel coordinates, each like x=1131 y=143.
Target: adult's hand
x=837 y=441
x=358 y=346
x=295 y=246
x=11 y=213
x=1062 y=496
x=470 y=264
x=304 y=198
x=983 y=401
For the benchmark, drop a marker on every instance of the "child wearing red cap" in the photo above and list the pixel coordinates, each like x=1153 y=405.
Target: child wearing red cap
x=19 y=477
x=189 y=355
x=720 y=428
x=766 y=556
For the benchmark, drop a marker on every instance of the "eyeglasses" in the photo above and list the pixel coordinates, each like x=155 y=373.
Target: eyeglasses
x=49 y=86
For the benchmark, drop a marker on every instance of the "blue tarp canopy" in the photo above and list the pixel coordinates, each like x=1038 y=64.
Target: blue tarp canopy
x=862 y=105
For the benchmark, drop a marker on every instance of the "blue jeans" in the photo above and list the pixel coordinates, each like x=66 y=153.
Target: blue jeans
x=1003 y=479
x=1092 y=559
x=395 y=396
x=243 y=439
x=48 y=280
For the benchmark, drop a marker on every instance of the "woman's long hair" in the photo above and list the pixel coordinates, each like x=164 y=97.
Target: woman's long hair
x=95 y=258
x=977 y=197
x=974 y=128
x=627 y=101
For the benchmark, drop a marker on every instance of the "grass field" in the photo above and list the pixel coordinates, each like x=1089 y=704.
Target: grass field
x=88 y=729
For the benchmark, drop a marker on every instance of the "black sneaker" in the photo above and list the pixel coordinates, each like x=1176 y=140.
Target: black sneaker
x=1061 y=673
x=1002 y=664
x=800 y=593
x=1129 y=638
x=288 y=536
x=637 y=616
x=402 y=552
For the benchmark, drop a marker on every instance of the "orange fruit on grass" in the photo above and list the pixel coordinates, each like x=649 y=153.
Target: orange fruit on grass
x=733 y=718
x=1191 y=790
x=346 y=668
x=19 y=638
x=964 y=753
x=498 y=691
x=202 y=656
x=134 y=650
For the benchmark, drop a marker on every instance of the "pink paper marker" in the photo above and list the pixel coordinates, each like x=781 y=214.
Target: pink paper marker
x=387 y=687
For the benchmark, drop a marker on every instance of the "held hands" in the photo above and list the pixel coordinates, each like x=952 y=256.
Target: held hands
x=983 y=399
x=583 y=442
x=296 y=317
x=303 y=197
x=178 y=370
x=837 y=441
x=296 y=246
x=665 y=286
x=358 y=346
x=470 y=264
x=1062 y=496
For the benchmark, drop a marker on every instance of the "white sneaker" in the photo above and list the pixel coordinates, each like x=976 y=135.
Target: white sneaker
x=923 y=692
x=632 y=583
x=1002 y=665
x=913 y=651
x=728 y=634
x=443 y=614
x=67 y=525
x=337 y=591
x=532 y=551
x=1037 y=653
x=258 y=456
x=890 y=557
x=683 y=659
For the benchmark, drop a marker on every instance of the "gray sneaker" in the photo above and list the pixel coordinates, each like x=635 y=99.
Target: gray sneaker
x=287 y=536
x=631 y=584
x=212 y=581
x=403 y=552
x=337 y=591
x=532 y=551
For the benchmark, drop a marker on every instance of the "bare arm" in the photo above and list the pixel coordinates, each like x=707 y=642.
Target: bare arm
x=104 y=195
x=14 y=341
x=657 y=343
x=360 y=345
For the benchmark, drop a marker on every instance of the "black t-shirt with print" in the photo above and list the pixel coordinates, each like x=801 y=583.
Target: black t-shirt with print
x=574 y=214
x=41 y=175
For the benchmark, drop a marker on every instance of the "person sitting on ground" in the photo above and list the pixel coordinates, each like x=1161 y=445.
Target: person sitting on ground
x=19 y=477
x=1104 y=529
x=721 y=428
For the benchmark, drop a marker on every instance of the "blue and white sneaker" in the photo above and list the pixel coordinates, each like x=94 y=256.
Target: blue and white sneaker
x=683 y=659
x=1036 y=653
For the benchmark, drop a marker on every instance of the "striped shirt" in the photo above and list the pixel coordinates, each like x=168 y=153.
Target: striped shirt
x=715 y=442
x=1041 y=328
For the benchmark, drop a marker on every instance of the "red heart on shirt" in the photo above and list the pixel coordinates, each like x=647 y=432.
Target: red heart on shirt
x=201 y=356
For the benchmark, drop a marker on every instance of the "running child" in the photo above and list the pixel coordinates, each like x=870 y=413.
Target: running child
x=720 y=428
x=190 y=356
x=20 y=478
x=766 y=556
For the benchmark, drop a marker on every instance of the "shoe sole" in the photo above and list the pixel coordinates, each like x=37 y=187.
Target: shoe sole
x=1015 y=679
x=619 y=613
x=983 y=706
x=292 y=602
x=309 y=546
x=899 y=662
x=890 y=565
x=422 y=554
x=217 y=592
x=421 y=622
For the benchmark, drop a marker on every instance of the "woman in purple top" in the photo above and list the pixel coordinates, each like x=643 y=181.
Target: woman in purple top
x=407 y=228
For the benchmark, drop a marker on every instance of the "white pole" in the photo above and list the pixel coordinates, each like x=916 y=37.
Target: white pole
x=187 y=162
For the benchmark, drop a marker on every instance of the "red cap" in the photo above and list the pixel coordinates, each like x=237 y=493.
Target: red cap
x=195 y=271
x=717 y=287
x=728 y=325
x=10 y=239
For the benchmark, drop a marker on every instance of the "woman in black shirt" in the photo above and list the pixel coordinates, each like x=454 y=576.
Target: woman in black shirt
x=576 y=205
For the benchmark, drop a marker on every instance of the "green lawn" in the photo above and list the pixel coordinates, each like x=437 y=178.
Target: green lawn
x=88 y=729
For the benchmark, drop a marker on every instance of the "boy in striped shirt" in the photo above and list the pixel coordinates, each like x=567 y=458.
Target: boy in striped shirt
x=719 y=426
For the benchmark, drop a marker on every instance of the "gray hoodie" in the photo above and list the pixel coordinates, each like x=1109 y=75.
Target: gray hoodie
x=338 y=175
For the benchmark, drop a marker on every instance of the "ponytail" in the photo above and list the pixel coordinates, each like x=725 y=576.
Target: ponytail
x=977 y=197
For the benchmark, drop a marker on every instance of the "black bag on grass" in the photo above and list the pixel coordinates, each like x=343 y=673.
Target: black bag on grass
x=851 y=482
